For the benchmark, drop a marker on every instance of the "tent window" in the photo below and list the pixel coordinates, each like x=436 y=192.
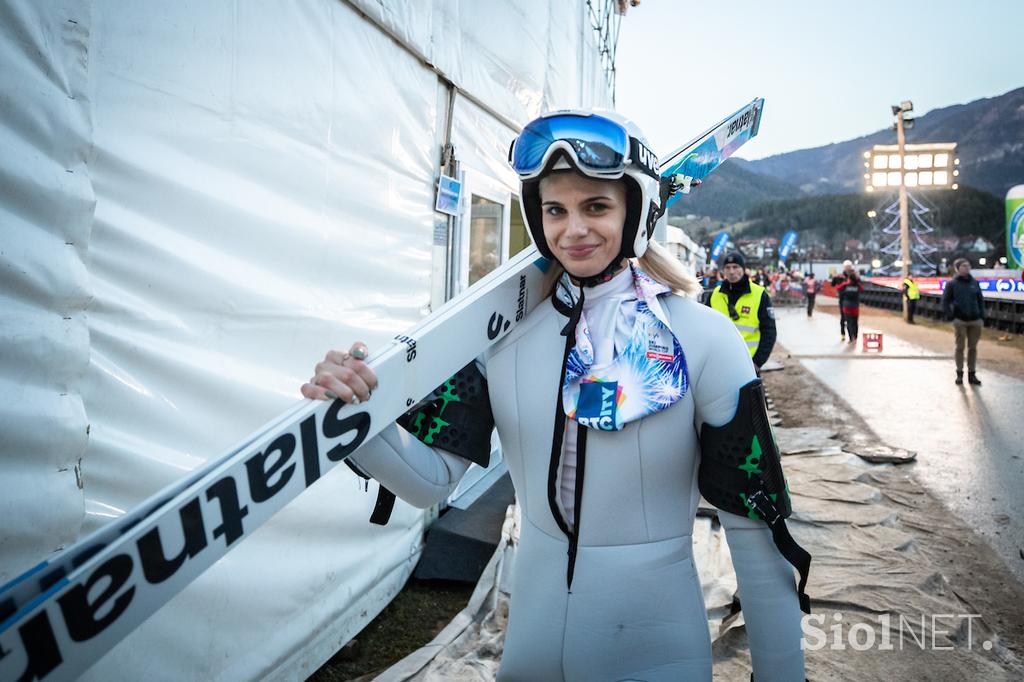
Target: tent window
x=518 y=237
x=485 y=223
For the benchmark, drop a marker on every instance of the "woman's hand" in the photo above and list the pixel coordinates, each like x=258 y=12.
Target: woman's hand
x=342 y=375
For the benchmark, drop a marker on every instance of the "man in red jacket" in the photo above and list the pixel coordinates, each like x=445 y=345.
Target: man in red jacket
x=849 y=289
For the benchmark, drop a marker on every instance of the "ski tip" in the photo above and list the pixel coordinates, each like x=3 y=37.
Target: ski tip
x=759 y=105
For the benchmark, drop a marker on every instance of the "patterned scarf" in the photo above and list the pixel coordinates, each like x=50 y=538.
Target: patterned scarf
x=648 y=373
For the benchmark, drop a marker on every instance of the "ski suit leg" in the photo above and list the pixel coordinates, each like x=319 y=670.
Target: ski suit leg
x=536 y=625
x=636 y=612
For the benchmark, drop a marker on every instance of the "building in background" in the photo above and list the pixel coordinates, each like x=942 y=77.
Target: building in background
x=690 y=253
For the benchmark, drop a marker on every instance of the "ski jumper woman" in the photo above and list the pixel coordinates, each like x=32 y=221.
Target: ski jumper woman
x=618 y=402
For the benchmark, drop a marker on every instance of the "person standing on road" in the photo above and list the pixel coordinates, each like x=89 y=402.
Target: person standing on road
x=748 y=306
x=849 y=289
x=811 y=287
x=912 y=293
x=963 y=303
x=836 y=281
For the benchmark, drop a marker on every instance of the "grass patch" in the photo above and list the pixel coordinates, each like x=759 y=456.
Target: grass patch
x=420 y=611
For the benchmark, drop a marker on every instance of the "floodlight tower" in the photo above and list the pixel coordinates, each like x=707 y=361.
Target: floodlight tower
x=898 y=110
x=928 y=166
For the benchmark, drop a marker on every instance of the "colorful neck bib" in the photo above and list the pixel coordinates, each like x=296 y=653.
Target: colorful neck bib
x=647 y=374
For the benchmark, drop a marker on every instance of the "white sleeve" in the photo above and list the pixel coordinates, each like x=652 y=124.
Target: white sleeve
x=725 y=369
x=768 y=597
x=418 y=473
x=766 y=580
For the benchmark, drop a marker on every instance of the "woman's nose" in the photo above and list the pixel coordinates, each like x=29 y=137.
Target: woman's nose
x=577 y=223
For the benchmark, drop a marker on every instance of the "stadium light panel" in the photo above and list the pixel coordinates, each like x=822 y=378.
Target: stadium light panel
x=923 y=166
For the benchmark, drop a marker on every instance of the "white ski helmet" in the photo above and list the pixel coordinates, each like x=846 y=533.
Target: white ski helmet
x=600 y=144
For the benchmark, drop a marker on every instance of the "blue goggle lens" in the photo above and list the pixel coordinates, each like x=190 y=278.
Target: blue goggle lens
x=600 y=144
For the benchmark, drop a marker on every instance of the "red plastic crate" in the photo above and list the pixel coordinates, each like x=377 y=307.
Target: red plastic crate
x=872 y=342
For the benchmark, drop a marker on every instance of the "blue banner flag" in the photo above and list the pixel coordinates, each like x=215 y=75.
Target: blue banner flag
x=788 y=242
x=719 y=246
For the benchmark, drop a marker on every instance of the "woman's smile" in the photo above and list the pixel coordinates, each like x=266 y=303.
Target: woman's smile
x=582 y=251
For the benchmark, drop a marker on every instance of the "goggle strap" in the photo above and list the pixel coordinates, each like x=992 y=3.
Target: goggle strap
x=643 y=158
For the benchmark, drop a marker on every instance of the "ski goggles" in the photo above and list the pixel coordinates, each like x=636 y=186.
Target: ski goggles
x=599 y=146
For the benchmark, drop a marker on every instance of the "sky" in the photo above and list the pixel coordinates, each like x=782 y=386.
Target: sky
x=829 y=70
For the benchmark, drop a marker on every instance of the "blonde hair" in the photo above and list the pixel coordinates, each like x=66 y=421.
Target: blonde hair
x=656 y=262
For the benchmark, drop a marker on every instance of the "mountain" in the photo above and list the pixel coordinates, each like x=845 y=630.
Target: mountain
x=833 y=219
x=989 y=132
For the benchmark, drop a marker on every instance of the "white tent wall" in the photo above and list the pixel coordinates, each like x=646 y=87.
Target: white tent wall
x=481 y=144
x=197 y=200
x=46 y=205
x=514 y=58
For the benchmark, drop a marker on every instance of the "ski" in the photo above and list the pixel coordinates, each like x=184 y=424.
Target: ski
x=147 y=556
x=694 y=161
x=63 y=614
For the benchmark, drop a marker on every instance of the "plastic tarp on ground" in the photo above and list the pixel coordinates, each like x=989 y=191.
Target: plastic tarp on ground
x=196 y=201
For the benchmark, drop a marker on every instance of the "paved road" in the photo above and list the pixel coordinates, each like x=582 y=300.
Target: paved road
x=969 y=440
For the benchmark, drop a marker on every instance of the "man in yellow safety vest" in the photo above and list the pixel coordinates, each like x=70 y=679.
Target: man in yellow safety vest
x=748 y=306
x=912 y=294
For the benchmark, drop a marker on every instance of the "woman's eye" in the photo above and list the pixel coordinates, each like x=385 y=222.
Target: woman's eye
x=555 y=210
x=597 y=208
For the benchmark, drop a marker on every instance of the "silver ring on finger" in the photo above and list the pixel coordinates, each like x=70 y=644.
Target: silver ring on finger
x=359 y=353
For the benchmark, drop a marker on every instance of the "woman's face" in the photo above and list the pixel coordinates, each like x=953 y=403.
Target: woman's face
x=583 y=220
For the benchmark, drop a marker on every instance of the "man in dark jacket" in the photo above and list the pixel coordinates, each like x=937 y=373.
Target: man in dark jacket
x=748 y=306
x=963 y=303
x=849 y=288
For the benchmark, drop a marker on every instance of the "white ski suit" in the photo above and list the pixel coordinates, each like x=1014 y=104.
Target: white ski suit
x=635 y=609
